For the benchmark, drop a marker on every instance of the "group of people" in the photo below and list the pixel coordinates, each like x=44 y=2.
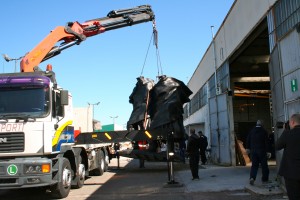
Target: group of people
x=196 y=148
x=259 y=149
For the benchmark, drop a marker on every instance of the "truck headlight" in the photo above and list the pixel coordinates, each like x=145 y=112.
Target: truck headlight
x=37 y=168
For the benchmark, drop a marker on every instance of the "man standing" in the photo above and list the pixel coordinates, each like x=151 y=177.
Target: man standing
x=193 y=147
x=203 y=146
x=258 y=146
x=290 y=162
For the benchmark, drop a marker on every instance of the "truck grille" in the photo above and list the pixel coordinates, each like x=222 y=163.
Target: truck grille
x=12 y=142
x=8 y=181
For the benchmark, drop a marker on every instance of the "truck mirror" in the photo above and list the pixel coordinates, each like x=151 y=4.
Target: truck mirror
x=64 y=97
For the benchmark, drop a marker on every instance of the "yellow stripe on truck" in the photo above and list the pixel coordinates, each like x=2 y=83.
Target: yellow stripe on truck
x=58 y=132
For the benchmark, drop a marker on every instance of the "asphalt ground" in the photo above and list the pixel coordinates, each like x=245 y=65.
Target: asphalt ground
x=128 y=181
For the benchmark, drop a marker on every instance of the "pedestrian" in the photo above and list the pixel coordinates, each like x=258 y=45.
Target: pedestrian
x=258 y=147
x=290 y=162
x=117 y=149
x=203 y=146
x=193 y=147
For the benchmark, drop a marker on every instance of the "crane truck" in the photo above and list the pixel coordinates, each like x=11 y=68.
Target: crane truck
x=38 y=148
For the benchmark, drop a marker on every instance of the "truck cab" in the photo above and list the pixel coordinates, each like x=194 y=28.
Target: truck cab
x=32 y=114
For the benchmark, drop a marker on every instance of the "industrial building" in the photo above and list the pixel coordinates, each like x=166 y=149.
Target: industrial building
x=249 y=71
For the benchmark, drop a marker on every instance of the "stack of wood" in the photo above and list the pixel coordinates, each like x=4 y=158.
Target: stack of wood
x=242 y=158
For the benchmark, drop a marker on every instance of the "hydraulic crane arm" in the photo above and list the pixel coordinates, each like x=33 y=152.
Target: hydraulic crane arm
x=74 y=33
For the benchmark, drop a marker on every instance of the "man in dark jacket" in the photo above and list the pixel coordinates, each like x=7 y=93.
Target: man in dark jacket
x=203 y=146
x=290 y=162
x=193 y=147
x=258 y=147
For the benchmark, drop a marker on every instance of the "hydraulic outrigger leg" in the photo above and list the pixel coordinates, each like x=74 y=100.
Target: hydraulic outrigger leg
x=170 y=157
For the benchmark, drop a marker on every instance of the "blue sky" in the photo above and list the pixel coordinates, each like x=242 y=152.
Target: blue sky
x=105 y=67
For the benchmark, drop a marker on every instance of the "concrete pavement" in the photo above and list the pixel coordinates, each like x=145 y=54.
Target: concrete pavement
x=218 y=178
x=214 y=178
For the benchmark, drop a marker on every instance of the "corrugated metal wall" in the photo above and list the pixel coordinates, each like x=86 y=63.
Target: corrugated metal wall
x=284 y=63
x=220 y=130
x=237 y=26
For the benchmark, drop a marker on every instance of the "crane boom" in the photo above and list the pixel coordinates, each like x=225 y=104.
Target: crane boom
x=74 y=33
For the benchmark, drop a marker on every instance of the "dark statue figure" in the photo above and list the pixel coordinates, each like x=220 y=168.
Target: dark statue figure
x=166 y=105
x=139 y=98
x=163 y=102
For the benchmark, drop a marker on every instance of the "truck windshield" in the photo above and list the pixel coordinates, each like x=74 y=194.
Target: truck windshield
x=20 y=101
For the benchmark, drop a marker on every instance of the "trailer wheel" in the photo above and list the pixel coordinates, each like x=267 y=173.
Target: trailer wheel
x=80 y=178
x=101 y=165
x=106 y=161
x=62 y=188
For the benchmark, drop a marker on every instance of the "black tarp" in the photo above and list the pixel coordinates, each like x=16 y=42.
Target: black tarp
x=139 y=98
x=165 y=105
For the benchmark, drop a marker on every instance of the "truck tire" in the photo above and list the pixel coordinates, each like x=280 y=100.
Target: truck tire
x=101 y=165
x=80 y=178
x=106 y=161
x=62 y=188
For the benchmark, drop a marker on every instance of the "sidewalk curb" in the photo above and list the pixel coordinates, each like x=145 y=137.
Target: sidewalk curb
x=272 y=188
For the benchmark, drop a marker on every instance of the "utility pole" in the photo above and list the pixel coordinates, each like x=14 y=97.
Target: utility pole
x=217 y=93
x=93 y=104
x=114 y=118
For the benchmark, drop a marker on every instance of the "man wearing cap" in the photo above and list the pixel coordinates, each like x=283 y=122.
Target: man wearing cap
x=258 y=147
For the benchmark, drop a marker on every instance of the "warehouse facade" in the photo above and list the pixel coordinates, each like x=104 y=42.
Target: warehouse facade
x=250 y=71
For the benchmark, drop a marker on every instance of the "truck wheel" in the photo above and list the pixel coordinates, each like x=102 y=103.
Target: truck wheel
x=101 y=165
x=62 y=188
x=106 y=161
x=80 y=178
